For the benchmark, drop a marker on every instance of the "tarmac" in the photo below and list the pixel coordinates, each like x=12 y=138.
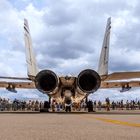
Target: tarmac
x=103 y=125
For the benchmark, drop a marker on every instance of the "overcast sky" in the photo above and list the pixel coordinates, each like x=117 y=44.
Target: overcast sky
x=67 y=37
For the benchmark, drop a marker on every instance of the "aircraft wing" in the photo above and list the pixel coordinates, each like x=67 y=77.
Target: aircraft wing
x=121 y=76
x=121 y=84
x=13 y=85
x=120 y=79
x=14 y=78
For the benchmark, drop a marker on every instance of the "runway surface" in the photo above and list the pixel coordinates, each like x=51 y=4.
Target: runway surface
x=114 y=125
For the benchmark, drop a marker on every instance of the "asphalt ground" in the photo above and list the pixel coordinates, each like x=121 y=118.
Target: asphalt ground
x=113 y=125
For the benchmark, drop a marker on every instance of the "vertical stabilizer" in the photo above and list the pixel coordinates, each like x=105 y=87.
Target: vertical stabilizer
x=103 y=62
x=30 y=57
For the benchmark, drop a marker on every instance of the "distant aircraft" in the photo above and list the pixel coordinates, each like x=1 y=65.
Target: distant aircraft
x=69 y=89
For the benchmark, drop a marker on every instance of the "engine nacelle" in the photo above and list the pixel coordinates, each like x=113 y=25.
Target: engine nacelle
x=46 y=81
x=88 y=81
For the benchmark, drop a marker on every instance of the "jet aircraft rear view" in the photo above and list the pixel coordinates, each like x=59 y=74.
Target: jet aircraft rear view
x=69 y=89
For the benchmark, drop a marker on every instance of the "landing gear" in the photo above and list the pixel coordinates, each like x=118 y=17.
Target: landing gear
x=68 y=104
x=68 y=108
x=90 y=106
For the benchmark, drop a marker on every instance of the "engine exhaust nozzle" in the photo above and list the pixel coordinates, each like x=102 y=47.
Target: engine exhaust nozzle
x=88 y=81
x=46 y=81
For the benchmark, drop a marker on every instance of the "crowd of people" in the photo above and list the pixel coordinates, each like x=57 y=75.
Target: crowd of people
x=35 y=105
x=115 y=105
x=19 y=105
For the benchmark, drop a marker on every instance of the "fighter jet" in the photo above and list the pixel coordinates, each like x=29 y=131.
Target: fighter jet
x=70 y=89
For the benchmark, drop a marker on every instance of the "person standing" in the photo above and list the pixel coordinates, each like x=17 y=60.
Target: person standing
x=107 y=104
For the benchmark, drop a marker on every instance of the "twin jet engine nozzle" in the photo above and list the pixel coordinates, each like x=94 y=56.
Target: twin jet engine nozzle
x=88 y=81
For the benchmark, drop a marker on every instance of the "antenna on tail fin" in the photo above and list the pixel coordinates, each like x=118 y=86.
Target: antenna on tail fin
x=103 y=62
x=32 y=69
